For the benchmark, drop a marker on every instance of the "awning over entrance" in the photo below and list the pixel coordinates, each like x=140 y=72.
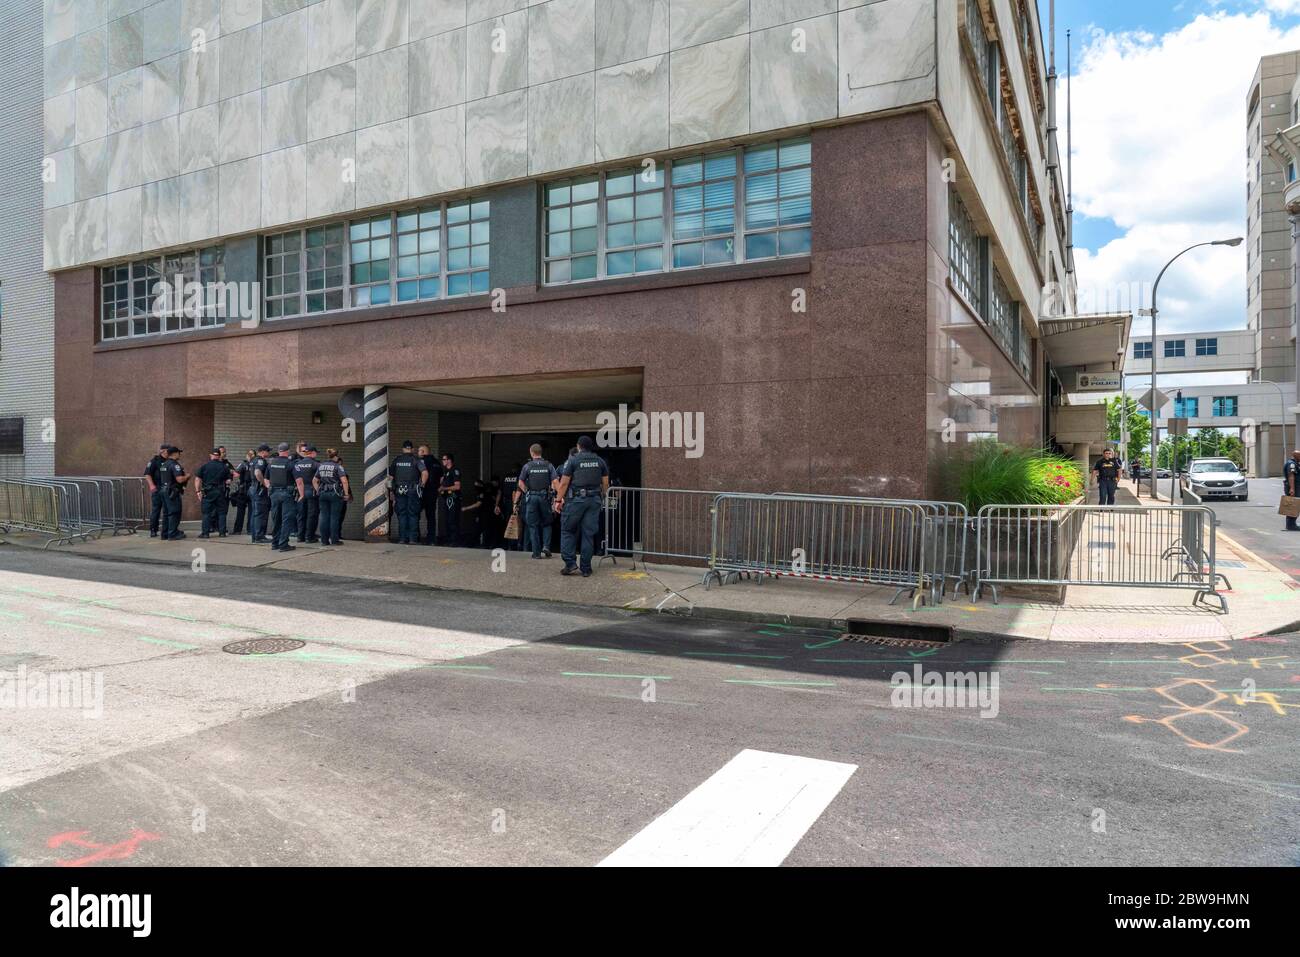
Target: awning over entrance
x=1095 y=342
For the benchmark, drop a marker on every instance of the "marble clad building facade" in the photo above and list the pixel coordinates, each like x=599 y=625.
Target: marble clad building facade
x=438 y=196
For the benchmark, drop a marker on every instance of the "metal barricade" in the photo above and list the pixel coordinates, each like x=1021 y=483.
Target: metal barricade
x=129 y=497
x=31 y=508
x=71 y=521
x=1166 y=546
x=658 y=523
x=947 y=538
x=97 y=504
x=848 y=540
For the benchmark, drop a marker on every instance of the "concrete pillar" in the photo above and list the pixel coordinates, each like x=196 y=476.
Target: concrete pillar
x=375 y=415
x=1263 y=452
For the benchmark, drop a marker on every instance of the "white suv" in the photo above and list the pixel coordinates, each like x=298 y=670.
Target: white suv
x=1217 y=478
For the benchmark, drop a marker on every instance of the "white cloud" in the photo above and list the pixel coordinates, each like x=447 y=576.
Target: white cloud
x=1160 y=149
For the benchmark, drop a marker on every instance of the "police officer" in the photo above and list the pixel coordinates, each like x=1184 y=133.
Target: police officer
x=259 y=502
x=285 y=489
x=172 y=479
x=155 y=491
x=1290 y=483
x=330 y=483
x=209 y=490
x=409 y=477
x=304 y=469
x=333 y=456
x=243 y=479
x=584 y=479
x=533 y=502
x=1106 y=473
x=449 y=497
x=429 y=503
x=223 y=506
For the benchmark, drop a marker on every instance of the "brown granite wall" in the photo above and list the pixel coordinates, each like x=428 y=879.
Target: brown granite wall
x=830 y=400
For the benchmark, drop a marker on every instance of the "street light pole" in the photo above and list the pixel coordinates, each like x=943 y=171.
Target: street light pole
x=1155 y=411
x=1281 y=398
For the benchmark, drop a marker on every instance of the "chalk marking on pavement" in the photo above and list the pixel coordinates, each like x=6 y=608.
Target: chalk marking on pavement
x=13 y=615
x=973 y=744
x=823 y=644
x=732 y=654
x=755 y=681
x=165 y=642
x=752 y=812
x=602 y=674
x=69 y=624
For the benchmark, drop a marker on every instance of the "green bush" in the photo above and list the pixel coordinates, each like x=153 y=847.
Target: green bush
x=995 y=474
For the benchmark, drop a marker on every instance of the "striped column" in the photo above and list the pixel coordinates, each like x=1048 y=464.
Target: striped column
x=375 y=414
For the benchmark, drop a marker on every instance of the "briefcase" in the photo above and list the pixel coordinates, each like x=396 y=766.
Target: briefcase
x=512 y=527
x=1289 y=506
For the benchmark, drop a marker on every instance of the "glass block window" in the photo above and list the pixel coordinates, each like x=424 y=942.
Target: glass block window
x=1142 y=350
x=323 y=261
x=634 y=221
x=282 y=274
x=371 y=250
x=572 y=229
x=145 y=275
x=1175 y=348
x=467 y=248
x=778 y=199
x=964 y=252
x=1004 y=314
x=419 y=254
x=704 y=210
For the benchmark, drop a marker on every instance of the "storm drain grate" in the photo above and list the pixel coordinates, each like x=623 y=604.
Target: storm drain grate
x=891 y=642
x=897 y=634
x=262 y=646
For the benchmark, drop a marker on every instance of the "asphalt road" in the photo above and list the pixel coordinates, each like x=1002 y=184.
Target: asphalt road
x=419 y=727
x=1256 y=524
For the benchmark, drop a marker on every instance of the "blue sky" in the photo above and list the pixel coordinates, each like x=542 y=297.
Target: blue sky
x=1159 y=93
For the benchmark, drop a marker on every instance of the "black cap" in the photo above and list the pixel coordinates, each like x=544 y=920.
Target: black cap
x=408 y=444
x=215 y=451
x=172 y=448
x=310 y=448
x=263 y=447
x=284 y=447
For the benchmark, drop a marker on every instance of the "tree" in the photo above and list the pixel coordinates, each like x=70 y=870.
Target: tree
x=1139 y=426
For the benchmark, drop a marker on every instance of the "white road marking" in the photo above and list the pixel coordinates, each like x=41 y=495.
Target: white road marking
x=750 y=813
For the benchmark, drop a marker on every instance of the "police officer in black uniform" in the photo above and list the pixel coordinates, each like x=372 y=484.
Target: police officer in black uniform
x=584 y=480
x=449 y=497
x=285 y=490
x=240 y=493
x=304 y=468
x=332 y=490
x=223 y=506
x=1291 y=483
x=259 y=502
x=409 y=477
x=429 y=503
x=172 y=477
x=209 y=490
x=1106 y=472
x=533 y=502
x=155 y=490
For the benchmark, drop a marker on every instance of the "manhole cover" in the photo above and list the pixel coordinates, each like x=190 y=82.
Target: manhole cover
x=262 y=646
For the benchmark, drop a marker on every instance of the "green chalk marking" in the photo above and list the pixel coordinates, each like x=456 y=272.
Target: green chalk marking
x=12 y=614
x=601 y=674
x=732 y=654
x=68 y=624
x=823 y=644
x=753 y=681
x=165 y=643
x=459 y=667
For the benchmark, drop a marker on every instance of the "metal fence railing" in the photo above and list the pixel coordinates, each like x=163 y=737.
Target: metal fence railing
x=1161 y=546
x=945 y=540
x=670 y=524
x=74 y=507
x=846 y=540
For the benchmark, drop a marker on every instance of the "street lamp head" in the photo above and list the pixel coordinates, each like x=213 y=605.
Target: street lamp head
x=1236 y=241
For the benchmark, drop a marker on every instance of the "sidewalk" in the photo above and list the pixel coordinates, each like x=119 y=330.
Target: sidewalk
x=1262 y=599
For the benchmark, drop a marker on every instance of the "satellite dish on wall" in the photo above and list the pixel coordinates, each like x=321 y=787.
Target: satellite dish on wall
x=352 y=404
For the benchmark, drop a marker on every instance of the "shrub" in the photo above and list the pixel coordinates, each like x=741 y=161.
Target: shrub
x=995 y=474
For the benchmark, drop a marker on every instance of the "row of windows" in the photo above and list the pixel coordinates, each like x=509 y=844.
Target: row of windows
x=436 y=252
x=1176 y=348
x=1221 y=406
x=973 y=275
x=707 y=210
x=128 y=292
